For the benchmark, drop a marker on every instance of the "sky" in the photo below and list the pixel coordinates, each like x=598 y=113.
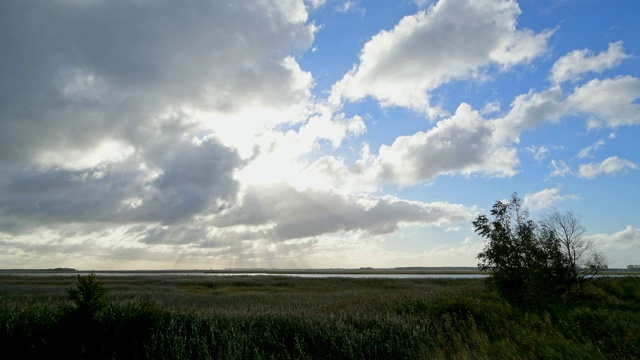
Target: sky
x=310 y=134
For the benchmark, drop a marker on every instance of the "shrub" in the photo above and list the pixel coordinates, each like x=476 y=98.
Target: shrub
x=89 y=296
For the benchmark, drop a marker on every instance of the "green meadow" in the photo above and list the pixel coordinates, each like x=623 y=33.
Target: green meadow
x=283 y=317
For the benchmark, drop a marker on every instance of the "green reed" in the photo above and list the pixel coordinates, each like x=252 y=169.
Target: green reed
x=275 y=317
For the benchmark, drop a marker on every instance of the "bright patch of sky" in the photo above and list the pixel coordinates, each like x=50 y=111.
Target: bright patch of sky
x=317 y=133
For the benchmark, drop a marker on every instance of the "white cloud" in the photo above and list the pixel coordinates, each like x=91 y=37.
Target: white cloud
x=608 y=102
x=349 y=6
x=532 y=109
x=491 y=108
x=541 y=152
x=316 y=3
x=629 y=238
x=454 y=40
x=608 y=166
x=578 y=62
x=604 y=102
x=464 y=143
x=546 y=198
x=559 y=168
x=586 y=152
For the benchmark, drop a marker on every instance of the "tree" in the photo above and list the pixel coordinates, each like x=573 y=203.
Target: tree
x=89 y=295
x=519 y=254
x=580 y=258
x=532 y=263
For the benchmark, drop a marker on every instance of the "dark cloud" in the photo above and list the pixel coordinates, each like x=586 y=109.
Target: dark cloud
x=192 y=178
x=97 y=103
x=289 y=213
x=75 y=73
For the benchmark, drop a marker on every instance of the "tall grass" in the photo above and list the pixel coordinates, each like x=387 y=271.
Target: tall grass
x=297 y=318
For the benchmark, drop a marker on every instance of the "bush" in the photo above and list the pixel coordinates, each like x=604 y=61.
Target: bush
x=89 y=296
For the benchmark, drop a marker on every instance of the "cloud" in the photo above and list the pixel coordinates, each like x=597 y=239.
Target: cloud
x=572 y=65
x=604 y=102
x=464 y=143
x=546 y=198
x=586 y=152
x=541 y=152
x=350 y=6
x=182 y=181
x=452 y=39
x=316 y=3
x=610 y=165
x=531 y=110
x=281 y=212
x=138 y=122
x=559 y=168
x=89 y=81
x=629 y=238
x=608 y=102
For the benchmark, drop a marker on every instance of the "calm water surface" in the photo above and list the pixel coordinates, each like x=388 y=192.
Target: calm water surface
x=303 y=275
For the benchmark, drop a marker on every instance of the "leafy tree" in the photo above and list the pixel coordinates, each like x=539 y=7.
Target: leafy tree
x=89 y=295
x=519 y=254
x=532 y=263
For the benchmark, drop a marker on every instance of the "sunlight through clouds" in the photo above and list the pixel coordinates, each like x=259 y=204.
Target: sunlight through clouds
x=313 y=133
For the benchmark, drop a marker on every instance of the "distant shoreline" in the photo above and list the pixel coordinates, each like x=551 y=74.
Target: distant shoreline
x=276 y=271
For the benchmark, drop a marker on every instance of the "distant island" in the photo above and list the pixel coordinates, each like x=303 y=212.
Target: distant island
x=58 y=269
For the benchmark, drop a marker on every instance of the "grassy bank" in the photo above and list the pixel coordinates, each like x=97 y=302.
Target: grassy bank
x=271 y=317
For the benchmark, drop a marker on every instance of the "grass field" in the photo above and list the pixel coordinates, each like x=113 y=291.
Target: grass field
x=280 y=317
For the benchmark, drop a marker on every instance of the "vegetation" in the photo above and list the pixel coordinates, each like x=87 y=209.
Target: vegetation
x=271 y=317
x=532 y=264
x=88 y=296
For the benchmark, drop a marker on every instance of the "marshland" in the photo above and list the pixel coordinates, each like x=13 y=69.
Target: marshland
x=286 y=317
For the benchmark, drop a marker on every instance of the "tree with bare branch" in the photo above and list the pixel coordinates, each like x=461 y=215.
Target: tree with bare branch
x=580 y=257
x=533 y=262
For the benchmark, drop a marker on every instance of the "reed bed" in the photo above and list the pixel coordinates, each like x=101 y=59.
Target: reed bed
x=280 y=317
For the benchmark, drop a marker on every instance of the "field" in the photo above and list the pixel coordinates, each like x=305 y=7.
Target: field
x=280 y=317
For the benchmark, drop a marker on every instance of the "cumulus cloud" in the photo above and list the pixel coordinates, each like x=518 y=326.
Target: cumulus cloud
x=451 y=40
x=578 y=62
x=105 y=70
x=546 y=198
x=533 y=109
x=629 y=238
x=608 y=102
x=119 y=112
x=610 y=165
x=603 y=102
x=464 y=143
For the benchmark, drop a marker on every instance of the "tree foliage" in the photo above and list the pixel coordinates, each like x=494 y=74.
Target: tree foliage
x=530 y=262
x=88 y=296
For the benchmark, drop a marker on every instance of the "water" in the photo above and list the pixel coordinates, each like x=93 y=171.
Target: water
x=302 y=275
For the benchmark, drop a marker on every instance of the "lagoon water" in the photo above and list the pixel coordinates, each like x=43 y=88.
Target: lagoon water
x=304 y=275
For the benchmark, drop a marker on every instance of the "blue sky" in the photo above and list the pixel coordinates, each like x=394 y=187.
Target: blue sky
x=317 y=133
